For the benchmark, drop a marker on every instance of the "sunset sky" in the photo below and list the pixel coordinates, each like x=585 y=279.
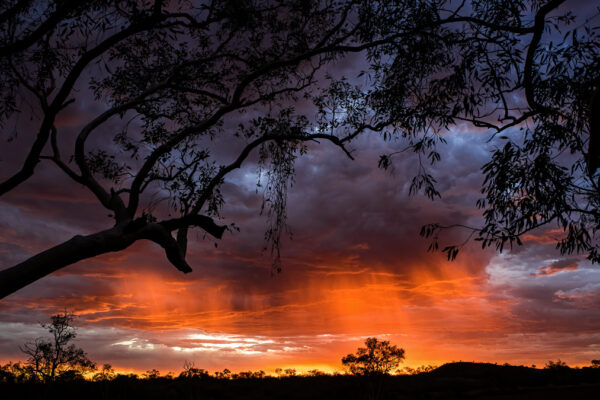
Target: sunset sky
x=354 y=268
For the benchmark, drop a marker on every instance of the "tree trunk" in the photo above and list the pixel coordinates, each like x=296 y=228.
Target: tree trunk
x=75 y=249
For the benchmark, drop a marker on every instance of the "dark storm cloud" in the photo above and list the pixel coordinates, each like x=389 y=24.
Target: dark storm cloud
x=348 y=218
x=568 y=264
x=541 y=298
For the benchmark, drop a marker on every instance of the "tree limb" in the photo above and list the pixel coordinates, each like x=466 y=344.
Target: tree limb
x=201 y=221
x=76 y=249
x=540 y=22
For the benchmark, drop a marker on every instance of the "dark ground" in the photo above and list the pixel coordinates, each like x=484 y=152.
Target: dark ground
x=451 y=381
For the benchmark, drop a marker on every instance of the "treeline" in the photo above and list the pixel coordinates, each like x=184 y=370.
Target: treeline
x=19 y=372
x=56 y=368
x=16 y=372
x=460 y=380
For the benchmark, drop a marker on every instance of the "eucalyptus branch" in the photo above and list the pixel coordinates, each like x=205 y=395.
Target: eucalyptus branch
x=528 y=72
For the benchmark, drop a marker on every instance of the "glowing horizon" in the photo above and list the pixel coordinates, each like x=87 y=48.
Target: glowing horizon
x=344 y=279
x=355 y=268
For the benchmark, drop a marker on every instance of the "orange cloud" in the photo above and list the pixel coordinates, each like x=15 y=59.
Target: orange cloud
x=556 y=267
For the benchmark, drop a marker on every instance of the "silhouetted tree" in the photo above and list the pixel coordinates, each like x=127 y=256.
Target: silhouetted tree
x=225 y=374
x=7 y=374
x=316 y=372
x=58 y=357
x=556 y=365
x=423 y=369
x=107 y=373
x=378 y=357
x=174 y=77
x=191 y=372
x=525 y=72
x=250 y=375
x=374 y=362
x=151 y=374
x=17 y=373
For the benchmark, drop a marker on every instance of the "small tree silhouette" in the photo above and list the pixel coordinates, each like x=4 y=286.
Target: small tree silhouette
x=379 y=357
x=107 y=373
x=225 y=374
x=191 y=372
x=50 y=359
x=152 y=374
x=556 y=365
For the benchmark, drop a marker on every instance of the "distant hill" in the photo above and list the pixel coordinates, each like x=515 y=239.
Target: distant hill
x=465 y=369
x=472 y=380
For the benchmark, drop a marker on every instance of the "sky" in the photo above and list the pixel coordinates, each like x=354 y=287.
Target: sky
x=354 y=267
